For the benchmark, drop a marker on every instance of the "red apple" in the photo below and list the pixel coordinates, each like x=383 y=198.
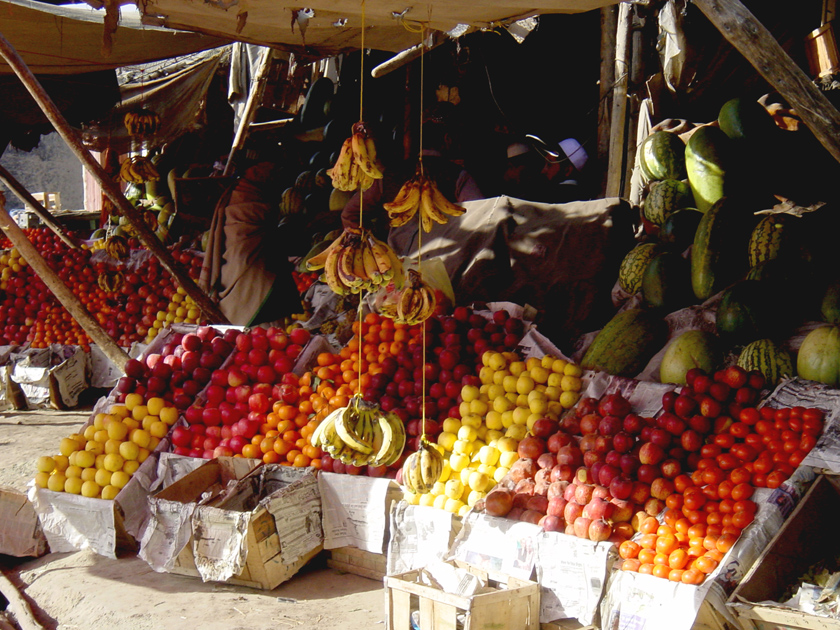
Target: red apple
x=735 y=376
x=614 y=405
x=720 y=391
x=684 y=406
x=621 y=487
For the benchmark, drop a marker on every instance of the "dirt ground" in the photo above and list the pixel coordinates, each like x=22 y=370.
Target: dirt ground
x=85 y=590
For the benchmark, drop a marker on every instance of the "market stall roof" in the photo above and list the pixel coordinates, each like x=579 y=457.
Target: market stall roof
x=329 y=27
x=69 y=39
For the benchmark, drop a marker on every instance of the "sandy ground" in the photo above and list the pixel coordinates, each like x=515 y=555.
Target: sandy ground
x=84 y=590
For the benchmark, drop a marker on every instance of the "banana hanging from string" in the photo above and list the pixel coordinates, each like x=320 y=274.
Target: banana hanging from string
x=422 y=468
x=361 y=434
x=415 y=303
x=357 y=165
x=420 y=193
x=138 y=169
x=141 y=122
x=357 y=261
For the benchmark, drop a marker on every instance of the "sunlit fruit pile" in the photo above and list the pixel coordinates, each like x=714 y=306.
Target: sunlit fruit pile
x=101 y=460
x=606 y=473
x=515 y=398
x=142 y=301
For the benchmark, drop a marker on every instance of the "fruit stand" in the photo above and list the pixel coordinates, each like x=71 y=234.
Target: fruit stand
x=654 y=451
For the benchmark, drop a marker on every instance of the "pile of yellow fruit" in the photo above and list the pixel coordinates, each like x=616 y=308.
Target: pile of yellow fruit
x=100 y=461
x=181 y=309
x=480 y=448
x=11 y=262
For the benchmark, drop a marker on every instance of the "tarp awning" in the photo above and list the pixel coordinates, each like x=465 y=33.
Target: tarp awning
x=330 y=27
x=68 y=39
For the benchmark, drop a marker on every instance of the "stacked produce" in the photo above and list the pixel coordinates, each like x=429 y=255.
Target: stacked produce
x=516 y=398
x=420 y=193
x=357 y=165
x=129 y=303
x=101 y=460
x=606 y=473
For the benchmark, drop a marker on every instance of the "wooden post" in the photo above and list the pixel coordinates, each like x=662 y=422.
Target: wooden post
x=144 y=232
x=618 y=126
x=21 y=193
x=67 y=298
x=740 y=27
x=251 y=107
x=609 y=25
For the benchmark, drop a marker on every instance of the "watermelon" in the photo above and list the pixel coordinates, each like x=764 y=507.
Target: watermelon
x=691 y=349
x=666 y=282
x=292 y=201
x=633 y=266
x=745 y=312
x=625 y=345
x=305 y=182
x=767 y=238
x=768 y=358
x=707 y=161
x=722 y=234
x=662 y=156
x=665 y=197
x=819 y=356
x=745 y=119
x=678 y=231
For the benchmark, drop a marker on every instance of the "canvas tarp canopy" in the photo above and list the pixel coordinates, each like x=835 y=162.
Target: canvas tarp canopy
x=63 y=40
x=329 y=27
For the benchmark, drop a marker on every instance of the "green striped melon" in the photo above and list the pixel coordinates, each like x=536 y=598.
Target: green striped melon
x=665 y=197
x=625 y=345
x=305 y=182
x=678 y=231
x=292 y=201
x=632 y=268
x=662 y=156
x=819 y=356
x=766 y=239
x=768 y=358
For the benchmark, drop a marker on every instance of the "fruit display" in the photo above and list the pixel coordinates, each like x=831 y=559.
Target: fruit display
x=515 y=399
x=357 y=165
x=357 y=261
x=101 y=460
x=131 y=310
x=672 y=492
x=420 y=193
x=413 y=303
x=138 y=169
x=625 y=345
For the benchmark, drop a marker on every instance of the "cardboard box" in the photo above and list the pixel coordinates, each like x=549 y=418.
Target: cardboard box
x=21 y=533
x=808 y=535
x=256 y=530
x=508 y=603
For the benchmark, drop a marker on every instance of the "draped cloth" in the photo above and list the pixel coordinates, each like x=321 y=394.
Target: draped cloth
x=238 y=269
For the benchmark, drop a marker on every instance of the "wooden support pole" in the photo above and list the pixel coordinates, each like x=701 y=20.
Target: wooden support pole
x=407 y=56
x=144 y=232
x=67 y=298
x=618 y=126
x=741 y=28
x=251 y=106
x=21 y=193
x=609 y=23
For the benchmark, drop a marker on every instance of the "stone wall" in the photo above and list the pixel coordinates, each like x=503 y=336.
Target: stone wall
x=49 y=167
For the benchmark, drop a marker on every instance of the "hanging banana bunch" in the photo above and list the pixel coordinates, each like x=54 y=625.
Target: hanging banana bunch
x=361 y=434
x=421 y=193
x=415 y=303
x=357 y=165
x=110 y=280
x=422 y=468
x=138 y=169
x=141 y=122
x=116 y=246
x=357 y=260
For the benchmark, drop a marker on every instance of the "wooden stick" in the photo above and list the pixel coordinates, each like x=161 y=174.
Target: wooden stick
x=144 y=232
x=609 y=25
x=21 y=193
x=407 y=56
x=18 y=606
x=251 y=107
x=618 y=135
x=741 y=28
x=67 y=298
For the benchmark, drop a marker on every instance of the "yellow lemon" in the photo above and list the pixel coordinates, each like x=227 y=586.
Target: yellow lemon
x=438 y=488
x=508 y=459
x=493 y=435
x=119 y=479
x=45 y=464
x=464 y=409
x=554 y=379
x=446 y=472
x=129 y=450
x=113 y=462
x=493 y=420
x=112 y=446
x=95 y=447
x=467 y=433
x=117 y=430
x=569 y=399
x=465 y=509
x=88 y=474
x=130 y=466
x=447 y=440
x=440 y=501
x=155 y=405
x=559 y=366
x=133 y=400
x=489 y=455
x=144 y=454
x=458 y=461
x=426 y=499
x=158 y=429
x=90 y=489
x=451 y=425
x=479 y=407
x=572 y=370
x=570 y=384
x=500 y=473
x=110 y=492
x=469 y=393
x=453 y=505
x=138 y=412
x=73 y=485
x=42 y=479
x=61 y=462
x=539 y=374
x=516 y=367
x=411 y=498
x=474 y=497
x=85 y=459
x=121 y=411
x=169 y=415
x=90 y=432
x=470 y=420
x=102 y=477
x=463 y=447
x=140 y=437
x=56 y=482
x=497 y=361
x=517 y=431
x=520 y=415
x=73 y=471
x=485 y=375
x=68 y=445
x=99 y=421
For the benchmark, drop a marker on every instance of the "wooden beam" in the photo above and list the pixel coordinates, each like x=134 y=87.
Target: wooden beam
x=618 y=124
x=741 y=28
x=67 y=298
x=21 y=193
x=255 y=96
x=407 y=56
x=135 y=218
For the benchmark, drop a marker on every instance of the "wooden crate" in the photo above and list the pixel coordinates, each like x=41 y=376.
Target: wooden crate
x=359 y=562
x=508 y=603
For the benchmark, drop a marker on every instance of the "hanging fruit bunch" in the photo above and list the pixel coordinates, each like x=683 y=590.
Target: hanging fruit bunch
x=357 y=260
x=111 y=280
x=116 y=246
x=357 y=165
x=421 y=193
x=415 y=303
x=422 y=468
x=138 y=169
x=361 y=434
x=141 y=122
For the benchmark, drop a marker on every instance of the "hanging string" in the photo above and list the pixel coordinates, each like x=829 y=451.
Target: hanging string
x=420 y=226
x=361 y=191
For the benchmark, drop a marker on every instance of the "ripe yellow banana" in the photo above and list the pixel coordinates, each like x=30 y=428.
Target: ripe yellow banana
x=317 y=262
x=443 y=204
x=407 y=200
x=340 y=172
x=362 y=146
